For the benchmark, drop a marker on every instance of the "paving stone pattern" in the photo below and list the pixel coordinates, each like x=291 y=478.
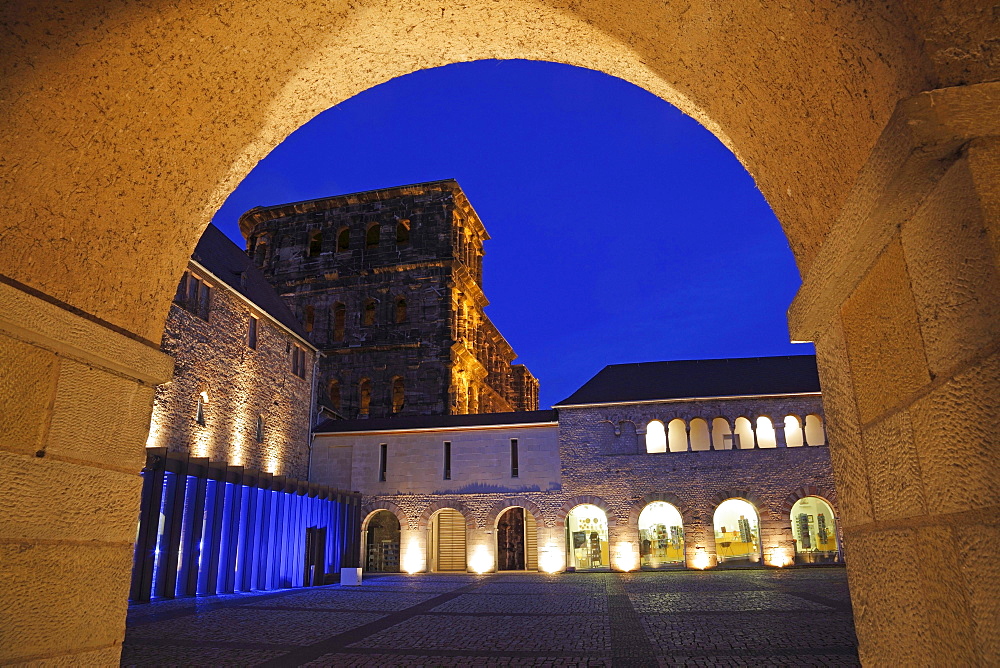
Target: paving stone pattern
x=796 y=617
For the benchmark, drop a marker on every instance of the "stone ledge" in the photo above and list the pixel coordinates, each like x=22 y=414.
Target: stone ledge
x=922 y=139
x=38 y=322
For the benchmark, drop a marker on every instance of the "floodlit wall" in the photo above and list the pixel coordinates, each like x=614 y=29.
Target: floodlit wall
x=235 y=384
x=892 y=210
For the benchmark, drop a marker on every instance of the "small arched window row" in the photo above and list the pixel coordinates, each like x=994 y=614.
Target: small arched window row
x=719 y=433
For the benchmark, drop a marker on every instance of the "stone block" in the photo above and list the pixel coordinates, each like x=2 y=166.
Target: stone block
x=957 y=441
x=847 y=452
x=61 y=598
x=984 y=165
x=883 y=337
x=978 y=547
x=100 y=417
x=897 y=489
x=27 y=384
x=52 y=500
x=953 y=274
x=945 y=591
x=887 y=594
x=104 y=656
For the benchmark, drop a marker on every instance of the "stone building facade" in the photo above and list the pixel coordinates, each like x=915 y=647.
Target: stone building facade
x=388 y=284
x=691 y=441
x=241 y=390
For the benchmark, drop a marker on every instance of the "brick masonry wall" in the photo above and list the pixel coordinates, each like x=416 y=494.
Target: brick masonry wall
x=437 y=271
x=594 y=469
x=242 y=383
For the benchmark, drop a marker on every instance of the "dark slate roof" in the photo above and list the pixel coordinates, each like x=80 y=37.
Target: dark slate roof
x=434 y=421
x=217 y=253
x=686 y=379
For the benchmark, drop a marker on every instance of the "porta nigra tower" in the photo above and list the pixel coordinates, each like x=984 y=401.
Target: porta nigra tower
x=388 y=285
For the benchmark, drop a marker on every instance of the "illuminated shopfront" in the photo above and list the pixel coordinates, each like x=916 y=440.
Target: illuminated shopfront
x=737 y=534
x=814 y=531
x=587 y=538
x=661 y=536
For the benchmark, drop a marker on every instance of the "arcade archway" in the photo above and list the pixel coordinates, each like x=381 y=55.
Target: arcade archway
x=118 y=166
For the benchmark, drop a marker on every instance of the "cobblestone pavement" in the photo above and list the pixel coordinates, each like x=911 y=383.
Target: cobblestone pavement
x=797 y=617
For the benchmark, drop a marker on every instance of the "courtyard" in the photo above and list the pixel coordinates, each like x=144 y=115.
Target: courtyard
x=796 y=617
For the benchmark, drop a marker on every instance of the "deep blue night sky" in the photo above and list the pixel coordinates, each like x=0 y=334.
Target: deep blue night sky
x=622 y=231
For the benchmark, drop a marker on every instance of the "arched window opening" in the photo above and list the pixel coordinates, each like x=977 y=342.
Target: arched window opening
x=315 y=243
x=700 y=439
x=372 y=235
x=517 y=541
x=737 y=534
x=368 y=316
x=814 y=531
x=661 y=535
x=333 y=392
x=400 y=310
x=339 y=321
x=364 y=396
x=403 y=233
x=398 y=394
x=447 y=541
x=722 y=434
x=260 y=251
x=743 y=435
x=656 y=437
x=382 y=542
x=343 y=239
x=814 y=430
x=587 y=538
x=765 y=433
x=677 y=438
x=199 y=414
x=793 y=432
x=259 y=431
x=309 y=317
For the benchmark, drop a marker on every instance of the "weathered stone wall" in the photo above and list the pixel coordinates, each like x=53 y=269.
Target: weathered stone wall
x=90 y=151
x=407 y=279
x=241 y=383
x=580 y=462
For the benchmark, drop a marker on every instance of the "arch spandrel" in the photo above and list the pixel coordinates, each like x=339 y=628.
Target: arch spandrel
x=186 y=101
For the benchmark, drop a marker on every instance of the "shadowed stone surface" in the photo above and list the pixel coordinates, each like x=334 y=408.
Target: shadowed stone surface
x=747 y=617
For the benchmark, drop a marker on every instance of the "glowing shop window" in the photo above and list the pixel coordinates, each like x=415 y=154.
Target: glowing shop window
x=661 y=535
x=656 y=437
x=814 y=531
x=736 y=532
x=587 y=537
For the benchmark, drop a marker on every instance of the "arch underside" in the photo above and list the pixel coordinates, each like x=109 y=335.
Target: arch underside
x=186 y=101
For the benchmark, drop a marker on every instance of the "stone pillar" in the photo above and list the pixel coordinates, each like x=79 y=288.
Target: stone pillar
x=699 y=543
x=481 y=551
x=779 y=433
x=77 y=397
x=412 y=550
x=624 y=548
x=903 y=302
x=551 y=549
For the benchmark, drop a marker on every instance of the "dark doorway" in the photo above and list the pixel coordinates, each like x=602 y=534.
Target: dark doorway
x=510 y=540
x=382 y=543
x=315 y=556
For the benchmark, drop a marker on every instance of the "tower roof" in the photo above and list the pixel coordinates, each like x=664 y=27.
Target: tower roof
x=260 y=214
x=227 y=262
x=694 y=379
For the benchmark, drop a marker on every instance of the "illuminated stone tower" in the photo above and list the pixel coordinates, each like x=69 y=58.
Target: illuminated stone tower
x=387 y=284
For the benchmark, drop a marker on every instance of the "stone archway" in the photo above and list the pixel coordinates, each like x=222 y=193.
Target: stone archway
x=126 y=126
